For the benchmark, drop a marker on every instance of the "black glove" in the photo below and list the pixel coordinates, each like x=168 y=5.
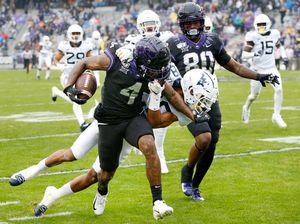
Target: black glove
x=269 y=78
x=72 y=93
x=200 y=116
x=285 y=61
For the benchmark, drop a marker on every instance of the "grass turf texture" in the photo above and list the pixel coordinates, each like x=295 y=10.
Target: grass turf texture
x=244 y=189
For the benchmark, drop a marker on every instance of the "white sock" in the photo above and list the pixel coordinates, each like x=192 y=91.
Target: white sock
x=64 y=190
x=42 y=165
x=78 y=113
x=57 y=92
x=47 y=74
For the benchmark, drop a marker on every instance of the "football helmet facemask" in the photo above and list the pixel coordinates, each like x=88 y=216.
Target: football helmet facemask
x=148 y=23
x=200 y=89
x=75 y=33
x=262 y=24
x=152 y=58
x=190 y=12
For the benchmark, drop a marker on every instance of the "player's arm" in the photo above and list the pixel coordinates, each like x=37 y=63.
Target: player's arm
x=99 y=62
x=160 y=120
x=247 y=51
x=176 y=100
x=58 y=56
x=89 y=54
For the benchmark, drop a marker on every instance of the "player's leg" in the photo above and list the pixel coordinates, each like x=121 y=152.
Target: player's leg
x=160 y=134
x=55 y=92
x=139 y=134
x=83 y=144
x=52 y=194
x=48 y=66
x=206 y=159
x=100 y=200
x=278 y=98
x=255 y=88
x=39 y=68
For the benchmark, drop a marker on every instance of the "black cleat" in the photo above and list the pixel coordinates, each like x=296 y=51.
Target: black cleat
x=84 y=126
x=16 y=180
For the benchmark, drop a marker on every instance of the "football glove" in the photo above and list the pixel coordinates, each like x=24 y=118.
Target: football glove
x=200 y=116
x=125 y=54
x=72 y=93
x=155 y=87
x=267 y=78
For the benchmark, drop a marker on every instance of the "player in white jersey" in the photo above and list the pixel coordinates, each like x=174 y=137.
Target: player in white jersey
x=148 y=24
x=89 y=138
x=72 y=50
x=96 y=42
x=260 y=47
x=45 y=57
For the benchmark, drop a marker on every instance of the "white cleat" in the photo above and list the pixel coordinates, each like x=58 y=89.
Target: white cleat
x=245 y=115
x=99 y=203
x=164 y=168
x=20 y=177
x=48 y=200
x=277 y=119
x=161 y=209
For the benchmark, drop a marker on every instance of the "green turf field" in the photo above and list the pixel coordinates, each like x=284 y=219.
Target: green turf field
x=243 y=187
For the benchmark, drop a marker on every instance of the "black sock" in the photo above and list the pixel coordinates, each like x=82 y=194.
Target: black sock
x=103 y=190
x=156 y=192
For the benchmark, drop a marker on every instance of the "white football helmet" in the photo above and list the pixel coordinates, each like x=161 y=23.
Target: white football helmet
x=262 y=24
x=75 y=33
x=96 y=35
x=46 y=39
x=200 y=89
x=208 y=26
x=148 y=23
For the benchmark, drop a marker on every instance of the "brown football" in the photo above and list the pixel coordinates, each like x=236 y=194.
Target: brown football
x=87 y=84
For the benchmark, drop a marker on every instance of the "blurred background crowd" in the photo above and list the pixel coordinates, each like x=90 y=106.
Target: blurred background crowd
x=24 y=22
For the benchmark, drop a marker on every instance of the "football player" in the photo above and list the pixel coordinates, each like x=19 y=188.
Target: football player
x=119 y=114
x=73 y=50
x=45 y=57
x=148 y=24
x=199 y=92
x=260 y=46
x=96 y=42
x=197 y=49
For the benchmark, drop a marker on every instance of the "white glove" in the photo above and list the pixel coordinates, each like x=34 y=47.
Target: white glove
x=125 y=54
x=155 y=87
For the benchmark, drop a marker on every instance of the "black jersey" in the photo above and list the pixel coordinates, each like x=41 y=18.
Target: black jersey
x=188 y=55
x=121 y=92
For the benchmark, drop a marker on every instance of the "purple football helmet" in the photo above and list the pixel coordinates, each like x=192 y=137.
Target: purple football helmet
x=152 y=58
x=190 y=12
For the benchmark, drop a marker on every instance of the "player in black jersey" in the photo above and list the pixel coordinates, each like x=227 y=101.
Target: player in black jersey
x=120 y=116
x=197 y=49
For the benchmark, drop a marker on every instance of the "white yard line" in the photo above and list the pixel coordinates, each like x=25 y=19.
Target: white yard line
x=40 y=217
x=9 y=203
x=239 y=154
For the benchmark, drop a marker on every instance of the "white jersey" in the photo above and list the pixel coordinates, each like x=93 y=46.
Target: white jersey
x=72 y=55
x=46 y=49
x=266 y=44
x=96 y=46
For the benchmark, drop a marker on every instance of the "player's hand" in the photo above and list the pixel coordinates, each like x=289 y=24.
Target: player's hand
x=155 y=87
x=125 y=54
x=200 y=116
x=267 y=78
x=72 y=93
x=258 y=53
x=285 y=61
